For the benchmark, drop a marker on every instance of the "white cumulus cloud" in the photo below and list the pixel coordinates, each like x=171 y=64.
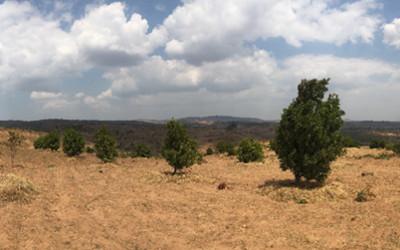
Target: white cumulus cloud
x=391 y=32
x=107 y=37
x=208 y=30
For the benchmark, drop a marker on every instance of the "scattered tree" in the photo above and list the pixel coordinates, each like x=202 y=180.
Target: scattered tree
x=250 y=150
x=73 y=143
x=308 y=137
x=179 y=149
x=50 y=141
x=105 y=145
x=13 y=142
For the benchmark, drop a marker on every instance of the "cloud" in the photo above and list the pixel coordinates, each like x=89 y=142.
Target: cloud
x=33 y=50
x=157 y=75
x=207 y=30
x=391 y=32
x=106 y=37
x=42 y=95
x=347 y=73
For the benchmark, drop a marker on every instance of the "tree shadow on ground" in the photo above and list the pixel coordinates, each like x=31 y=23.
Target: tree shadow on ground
x=290 y=183
x=178 y=173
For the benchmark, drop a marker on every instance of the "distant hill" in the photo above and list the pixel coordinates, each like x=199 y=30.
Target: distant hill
x=206 y=130
x=208 y=120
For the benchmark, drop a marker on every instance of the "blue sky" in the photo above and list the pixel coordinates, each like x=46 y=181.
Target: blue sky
x=153 y=59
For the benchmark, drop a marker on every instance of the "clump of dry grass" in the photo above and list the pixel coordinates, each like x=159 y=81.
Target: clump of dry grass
x=287 y=191
x=16 y=188
x=365 y=195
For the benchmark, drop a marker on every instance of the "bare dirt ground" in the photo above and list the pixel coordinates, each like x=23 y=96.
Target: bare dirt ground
x=135 y=204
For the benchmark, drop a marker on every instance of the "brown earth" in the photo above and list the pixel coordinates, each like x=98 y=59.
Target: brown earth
x=135 y=204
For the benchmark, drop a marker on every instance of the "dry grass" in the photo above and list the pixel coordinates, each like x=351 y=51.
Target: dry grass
x=16 y=188
x=137 y=204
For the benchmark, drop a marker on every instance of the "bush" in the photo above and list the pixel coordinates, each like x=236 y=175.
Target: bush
x=377 y=144
x=209 y=151
x=50 y=141
x=105 y=145
x=349 y=142
x=142 y=150
x=308 y=137
x=90 y=150
x=226 y=147
x=250 y=150
x=179 y=150
x=73 y=143
x=13 y=142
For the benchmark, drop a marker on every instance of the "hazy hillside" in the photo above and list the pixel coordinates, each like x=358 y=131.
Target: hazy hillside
x=207 y=130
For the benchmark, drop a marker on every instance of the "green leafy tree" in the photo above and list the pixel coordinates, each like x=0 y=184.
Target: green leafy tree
x=250 y=150
x=308 y=137
x=105 y=145
x=50 y=141
x=73 y=143
x=179 y=149
x=13 y=142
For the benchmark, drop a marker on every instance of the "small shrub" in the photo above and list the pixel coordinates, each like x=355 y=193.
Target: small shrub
x=377 y=144
x=14 y=141
x=179 y=149
x=39 y=142
x=349 y=142
x=396 y=148
x=105 y=145
x=209 y=151
x=142 y=150
x=226 y=147
x=73 y=143
x=50 y=141
x=250 y=150
x=365 y=195
x=90 y=150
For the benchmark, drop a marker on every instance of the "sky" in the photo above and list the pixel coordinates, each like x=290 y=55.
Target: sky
x=157 y=59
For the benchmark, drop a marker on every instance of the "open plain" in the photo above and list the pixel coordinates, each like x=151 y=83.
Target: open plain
x=134 y=203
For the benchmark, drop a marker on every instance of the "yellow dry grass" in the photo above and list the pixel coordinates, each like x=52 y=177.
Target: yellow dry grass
x=16 y=188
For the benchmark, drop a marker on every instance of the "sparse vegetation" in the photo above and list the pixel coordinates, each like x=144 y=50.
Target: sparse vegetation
x=179 y=149
x=377 y=144
x=90 y=150
x=250 y=150
x=142 y=150
x=308 y=138
x=13 y=142
x=365 y=195
x=226 y=148
x=73 y=143
x=50 y=141
x=396 y=148
x=349 y=142
x=105 y=146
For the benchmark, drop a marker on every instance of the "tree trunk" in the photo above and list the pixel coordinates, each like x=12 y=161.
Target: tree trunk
x=173 y=173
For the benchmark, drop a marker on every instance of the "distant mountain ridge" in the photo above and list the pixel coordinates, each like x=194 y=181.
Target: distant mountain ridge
x=219 y=119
